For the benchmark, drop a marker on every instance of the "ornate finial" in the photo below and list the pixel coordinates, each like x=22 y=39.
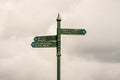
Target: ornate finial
x=58 y=18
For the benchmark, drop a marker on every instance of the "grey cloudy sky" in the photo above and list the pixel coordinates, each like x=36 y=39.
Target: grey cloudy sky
x=94 y=56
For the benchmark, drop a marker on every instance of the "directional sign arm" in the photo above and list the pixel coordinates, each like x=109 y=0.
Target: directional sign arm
x=45 y=38
x=42 y=44
x=73 y=31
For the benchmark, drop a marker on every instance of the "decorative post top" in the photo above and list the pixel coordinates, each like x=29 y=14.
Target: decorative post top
x=58 y=18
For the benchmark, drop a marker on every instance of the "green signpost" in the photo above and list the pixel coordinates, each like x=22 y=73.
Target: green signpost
x=55 y=41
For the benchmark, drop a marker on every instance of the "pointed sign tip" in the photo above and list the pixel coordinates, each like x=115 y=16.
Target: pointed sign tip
x=58 y=18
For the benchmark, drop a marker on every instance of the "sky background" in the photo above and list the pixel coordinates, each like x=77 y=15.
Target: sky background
x=94 y=56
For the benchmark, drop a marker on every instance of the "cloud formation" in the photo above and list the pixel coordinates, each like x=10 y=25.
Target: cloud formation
x=94 y=56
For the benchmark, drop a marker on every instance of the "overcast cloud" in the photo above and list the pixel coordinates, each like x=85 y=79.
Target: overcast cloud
x=94 y=56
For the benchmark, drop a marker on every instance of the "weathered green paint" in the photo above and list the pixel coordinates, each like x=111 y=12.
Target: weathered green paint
x=58 y=68
x=43 y=44
x=58 y=46
x=46 y=38
x=73 y=31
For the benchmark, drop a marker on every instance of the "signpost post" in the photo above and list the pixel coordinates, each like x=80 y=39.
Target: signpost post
x=55 y=41
x=58 y=46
